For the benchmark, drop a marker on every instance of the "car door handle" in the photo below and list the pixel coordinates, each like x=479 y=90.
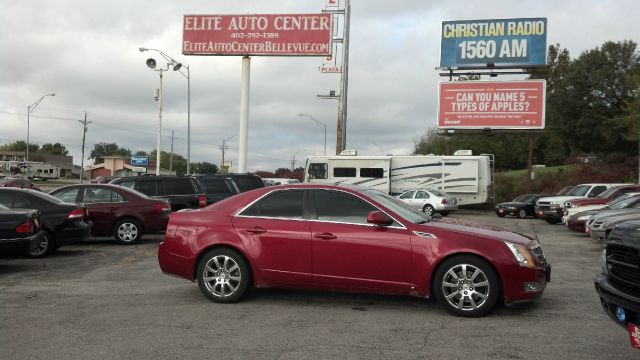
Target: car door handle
x=325 y=236
x=257 y=230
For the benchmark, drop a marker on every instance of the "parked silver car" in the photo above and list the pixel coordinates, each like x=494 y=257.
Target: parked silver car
x=430 y=201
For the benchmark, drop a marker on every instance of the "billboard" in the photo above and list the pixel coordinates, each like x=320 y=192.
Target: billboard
x=502 y=42
x=491 y=104
x=275 y=35
x=140 y=161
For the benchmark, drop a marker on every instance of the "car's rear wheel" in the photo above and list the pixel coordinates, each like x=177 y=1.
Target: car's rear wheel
x=223 y=275
x=522 y=213
x=466 y=286
x=128 y=231
x=46 y=246
x=428 y=209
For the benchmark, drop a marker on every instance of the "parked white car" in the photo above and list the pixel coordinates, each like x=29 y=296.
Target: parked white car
x=430 y=201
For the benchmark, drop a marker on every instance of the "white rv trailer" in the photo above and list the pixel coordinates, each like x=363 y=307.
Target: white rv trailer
x=468 y=178
x=37 y=170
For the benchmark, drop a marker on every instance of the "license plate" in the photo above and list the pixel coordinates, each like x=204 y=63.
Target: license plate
x=634 y=335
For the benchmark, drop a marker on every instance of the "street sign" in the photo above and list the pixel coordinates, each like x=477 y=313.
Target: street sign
x=494 y=42
x=491 y=104
x=275 y=35
x=140 y=161
x=140 y=169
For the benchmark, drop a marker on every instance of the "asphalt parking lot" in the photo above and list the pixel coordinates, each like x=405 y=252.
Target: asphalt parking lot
x=103 y=300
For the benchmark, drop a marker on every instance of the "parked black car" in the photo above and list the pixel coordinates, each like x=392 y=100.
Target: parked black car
x=63 y=223
x=20 y=232
x=183 y=192
x=522 y=206
x=221 y=186
x=619 y=283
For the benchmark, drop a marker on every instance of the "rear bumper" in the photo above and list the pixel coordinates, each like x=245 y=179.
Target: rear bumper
x=612 y=297
x=448 y=208
x=549 y=214
x=157 y=224
x=12 y=248
x=76 y=232
x=173 y=264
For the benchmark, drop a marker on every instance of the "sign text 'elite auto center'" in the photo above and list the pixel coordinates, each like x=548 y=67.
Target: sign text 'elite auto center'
x=506 y=42
x=492 y=104
x=276 y=35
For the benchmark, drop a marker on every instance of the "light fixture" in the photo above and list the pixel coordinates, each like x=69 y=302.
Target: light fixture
x=151 y=63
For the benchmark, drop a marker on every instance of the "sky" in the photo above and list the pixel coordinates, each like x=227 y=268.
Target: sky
x=87 y=53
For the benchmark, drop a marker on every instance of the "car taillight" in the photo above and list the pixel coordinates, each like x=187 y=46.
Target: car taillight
x=202 y=200
x=25 y=228
x=160 y=208
x=444 y=202
x=76 y=214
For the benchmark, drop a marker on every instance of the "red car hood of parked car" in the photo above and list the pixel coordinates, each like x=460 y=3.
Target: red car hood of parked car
x=485 y=231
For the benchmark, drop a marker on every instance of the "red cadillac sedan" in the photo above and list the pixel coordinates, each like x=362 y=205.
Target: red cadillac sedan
x=352 y=239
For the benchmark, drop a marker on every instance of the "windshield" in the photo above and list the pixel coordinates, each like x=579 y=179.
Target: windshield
x=564 y=190
x=580 y=190
x=405 y=211
x=624 y=203
x=607 y=193
x=523 y=198
x=46 y=196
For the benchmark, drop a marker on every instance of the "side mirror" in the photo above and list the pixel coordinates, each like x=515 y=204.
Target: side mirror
x=379 y=218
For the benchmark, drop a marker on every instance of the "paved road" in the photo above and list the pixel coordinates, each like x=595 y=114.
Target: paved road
x=101 y=300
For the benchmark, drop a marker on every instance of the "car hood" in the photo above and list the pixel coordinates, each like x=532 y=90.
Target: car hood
x=607 y=214
x=559 y=199
x=587 y=210
x=483 y=231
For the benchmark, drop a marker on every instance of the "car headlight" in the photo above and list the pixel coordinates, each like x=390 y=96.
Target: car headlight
x=521 y=254
x=583 y=217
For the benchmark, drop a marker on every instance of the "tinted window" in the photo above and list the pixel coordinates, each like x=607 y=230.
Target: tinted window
x=6 y=198
x=21 y=202
x=279 y=204
x=372 y=172
x=246 y=183
x=344 y=172
x=318 y=171
x=128 y=184
x=597 y=190
x=179 y=187
x=216 y=185
x=148 y=187
x=68 y=195
x=341 y=207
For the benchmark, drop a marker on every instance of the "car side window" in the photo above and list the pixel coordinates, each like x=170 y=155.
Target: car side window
x=21 y=202
x=422 y=195
x=6 y=198
x=182 y=186
x=338 y=206
x=216 y=186
x=147 y=187
x=407 y=195
x=101 y=195
x=68 y=195
x=128 y=184
x=278 y=204
x=597 y=190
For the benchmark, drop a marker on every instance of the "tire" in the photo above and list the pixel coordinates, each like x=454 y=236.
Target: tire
x=470 y=295
x=128 y=231
x=428 y=209
x=46 y=246
x=522 y=213
x=223 y=275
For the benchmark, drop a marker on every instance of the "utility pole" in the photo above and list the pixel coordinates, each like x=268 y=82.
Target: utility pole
x=223 y=148
x=171 y=156
x=341 y=141
x=84 y=134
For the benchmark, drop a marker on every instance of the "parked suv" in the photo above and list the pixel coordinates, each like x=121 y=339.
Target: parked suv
x=552 y=208
x=221 y=186
x=619 y=283
x=182 y=192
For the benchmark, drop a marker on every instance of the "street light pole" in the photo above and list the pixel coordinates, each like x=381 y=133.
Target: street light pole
x=30 y=109
x=319 y=123
x=176 y=67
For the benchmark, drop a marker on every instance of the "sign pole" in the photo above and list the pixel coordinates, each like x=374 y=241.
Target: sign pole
x=341 y=142
x=244 y=114
x=530 y=162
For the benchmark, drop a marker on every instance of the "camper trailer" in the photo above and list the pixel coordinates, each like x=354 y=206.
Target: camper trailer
x=37 y=170
x=469 y=178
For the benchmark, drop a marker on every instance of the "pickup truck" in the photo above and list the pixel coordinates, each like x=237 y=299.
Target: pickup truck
x=604 y=197
x=551 y=208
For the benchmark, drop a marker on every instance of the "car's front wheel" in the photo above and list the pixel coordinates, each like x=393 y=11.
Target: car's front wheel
x=128 y=231
x=223 y=275
x=466 y=286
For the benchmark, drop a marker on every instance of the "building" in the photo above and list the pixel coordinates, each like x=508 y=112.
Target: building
x=63 y=162
x=119 y=166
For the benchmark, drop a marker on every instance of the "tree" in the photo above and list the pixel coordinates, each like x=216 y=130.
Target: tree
x=204 y=168
x=55 y=149
x=19 y=145
x=101 y=150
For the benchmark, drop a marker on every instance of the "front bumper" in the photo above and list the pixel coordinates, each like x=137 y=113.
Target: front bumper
x=576 y=225
x=612 y=297
x=516 y=289
x=550 y=214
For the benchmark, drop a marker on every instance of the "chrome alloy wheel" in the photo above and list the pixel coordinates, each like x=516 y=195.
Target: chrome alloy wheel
x=127 y=232
x=221 y=276
x=465 y=287
x=41 y=248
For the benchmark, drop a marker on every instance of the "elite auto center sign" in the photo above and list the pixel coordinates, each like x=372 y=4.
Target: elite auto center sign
x=274 y=35
x=501 y=42
x=491 y=104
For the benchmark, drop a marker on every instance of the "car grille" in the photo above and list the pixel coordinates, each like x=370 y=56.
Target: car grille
x=623 y=263
x=546 y=206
